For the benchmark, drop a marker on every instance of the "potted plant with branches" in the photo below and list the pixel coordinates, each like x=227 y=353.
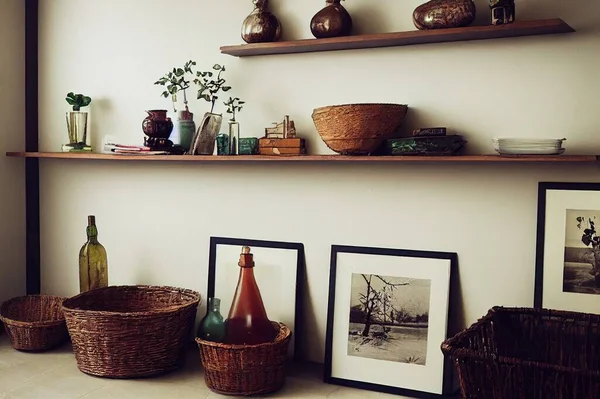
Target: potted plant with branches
x=175 y=81
x=234 y=105
x=210 y=84
x=77 y=123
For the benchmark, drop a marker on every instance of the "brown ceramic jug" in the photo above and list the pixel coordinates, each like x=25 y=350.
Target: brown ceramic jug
x=157 y=125
x=247 y=323
x=331 y=21
x=261 y=25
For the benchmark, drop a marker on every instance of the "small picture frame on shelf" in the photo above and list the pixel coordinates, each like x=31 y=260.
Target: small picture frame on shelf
x=387 y=318
x=279 y=273
x=567 y=275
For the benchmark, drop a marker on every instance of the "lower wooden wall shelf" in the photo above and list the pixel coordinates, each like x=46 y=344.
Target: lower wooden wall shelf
x=308 y=158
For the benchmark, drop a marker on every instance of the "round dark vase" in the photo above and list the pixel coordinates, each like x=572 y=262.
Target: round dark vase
x=157 y=124
x=331 y=21
x=443 y=14
x=261 y=25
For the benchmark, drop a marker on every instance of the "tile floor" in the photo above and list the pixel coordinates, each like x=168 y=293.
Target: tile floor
x=54 y=375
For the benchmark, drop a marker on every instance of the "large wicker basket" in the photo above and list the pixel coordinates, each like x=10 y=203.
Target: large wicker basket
x=130 y=331
x=245 y=369
x=358 y=129
x=528 y=353
x=34 y=322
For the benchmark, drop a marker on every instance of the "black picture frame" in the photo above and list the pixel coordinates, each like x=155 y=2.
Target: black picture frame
x=449 y=389
x=300 y=276
x=541 y=234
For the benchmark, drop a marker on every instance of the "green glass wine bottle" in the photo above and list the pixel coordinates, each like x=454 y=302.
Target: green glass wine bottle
x=93 y=262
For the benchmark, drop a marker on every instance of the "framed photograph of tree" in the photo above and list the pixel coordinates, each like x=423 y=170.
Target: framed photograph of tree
x=568 y=247
x=387 y=317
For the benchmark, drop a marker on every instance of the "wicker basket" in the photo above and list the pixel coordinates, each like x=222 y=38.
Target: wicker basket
x=130 y=331
x=245 y=369
x=34 y=322
x=528 y=353
x=358 y=129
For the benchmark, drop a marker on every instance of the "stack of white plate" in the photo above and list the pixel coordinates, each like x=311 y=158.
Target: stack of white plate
x=510 y=146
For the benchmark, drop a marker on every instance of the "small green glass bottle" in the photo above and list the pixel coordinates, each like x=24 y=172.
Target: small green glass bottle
x=93 y=262
x=212 y=327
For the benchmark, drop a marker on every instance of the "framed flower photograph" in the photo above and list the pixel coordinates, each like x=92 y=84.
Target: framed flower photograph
x=387 y=318
x=568 y=247
x=279 y=272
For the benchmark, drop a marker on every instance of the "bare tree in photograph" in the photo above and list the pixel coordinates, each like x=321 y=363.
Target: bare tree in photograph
x=590 y=238
x=376 y=303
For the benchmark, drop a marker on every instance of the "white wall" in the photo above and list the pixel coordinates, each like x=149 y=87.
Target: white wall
x=12 y=138
x=155 y=219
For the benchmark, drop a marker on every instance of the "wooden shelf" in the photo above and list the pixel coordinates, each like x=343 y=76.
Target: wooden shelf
x=519 y=28
x=307 y=158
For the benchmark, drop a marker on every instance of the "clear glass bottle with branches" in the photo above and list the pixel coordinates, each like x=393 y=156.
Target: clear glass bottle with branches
x=234 y=105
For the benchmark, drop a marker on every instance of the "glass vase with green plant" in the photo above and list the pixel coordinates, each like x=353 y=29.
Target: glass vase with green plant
x=77 y=122
x=234 y=104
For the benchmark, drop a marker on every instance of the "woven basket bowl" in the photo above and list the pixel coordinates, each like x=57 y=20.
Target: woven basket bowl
x=245 y=369
x=358 y=129
x=34 y=322
x=130 y=331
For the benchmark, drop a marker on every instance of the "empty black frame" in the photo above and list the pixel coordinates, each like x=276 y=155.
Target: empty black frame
x=447 y=381
x=252 y=243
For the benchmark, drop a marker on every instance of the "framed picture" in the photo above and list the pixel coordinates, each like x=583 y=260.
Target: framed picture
x=279 y=273
x=568 y=247
x=387 y=318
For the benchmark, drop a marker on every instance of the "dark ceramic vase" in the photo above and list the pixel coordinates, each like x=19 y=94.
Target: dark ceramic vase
x=331 y=21
x=442 y=14
x=261 y=25
x=157 y=125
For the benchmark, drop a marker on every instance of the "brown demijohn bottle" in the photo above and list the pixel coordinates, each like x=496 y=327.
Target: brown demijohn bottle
x=331 y=21
x=247 y=323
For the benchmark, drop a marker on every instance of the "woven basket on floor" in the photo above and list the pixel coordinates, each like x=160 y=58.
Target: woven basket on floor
x=528 y=353
x=130 y=331
x=245 y=369
x=34 y=322
x=358 y=129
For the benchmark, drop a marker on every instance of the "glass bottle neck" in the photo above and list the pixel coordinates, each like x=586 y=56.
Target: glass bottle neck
x=92 y=233
x=214 y=305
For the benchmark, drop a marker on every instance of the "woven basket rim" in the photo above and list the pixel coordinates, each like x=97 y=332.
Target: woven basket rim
x=30 y=324
x=281 y=337
x=328 y=108
x=68 y=303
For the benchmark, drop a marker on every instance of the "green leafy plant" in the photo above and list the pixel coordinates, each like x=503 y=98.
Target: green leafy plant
x=233 y=105
x=77 y=101
x=175 y=81
x=209 y=87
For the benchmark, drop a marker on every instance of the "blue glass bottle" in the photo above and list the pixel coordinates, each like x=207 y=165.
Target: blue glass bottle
x=212 y=327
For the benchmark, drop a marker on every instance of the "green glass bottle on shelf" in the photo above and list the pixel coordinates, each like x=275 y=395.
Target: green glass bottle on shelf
x=93 y=262
x=212 y=326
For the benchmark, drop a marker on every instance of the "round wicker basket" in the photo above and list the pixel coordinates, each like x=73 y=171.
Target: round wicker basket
x=130 y=331
x=34 y=322
x=245 y=369
x=358 y=129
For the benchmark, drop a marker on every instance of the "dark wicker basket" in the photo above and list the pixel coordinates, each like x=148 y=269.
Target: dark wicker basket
x=130 y=331
x=528 y=353
x=245 y=369
x=34 y=322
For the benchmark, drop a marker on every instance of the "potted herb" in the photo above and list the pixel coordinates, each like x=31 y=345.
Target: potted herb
x=234 y=105
x=210 y=83
x=175 y=81
x=77 y=123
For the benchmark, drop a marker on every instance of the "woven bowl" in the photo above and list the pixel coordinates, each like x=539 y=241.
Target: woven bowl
x=245 y=369
x=130 y=331
x=34 y=322
x=358 y=129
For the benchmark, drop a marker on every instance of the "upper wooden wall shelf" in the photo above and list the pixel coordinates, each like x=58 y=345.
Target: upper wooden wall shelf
x=307 y=158
x=519 y=28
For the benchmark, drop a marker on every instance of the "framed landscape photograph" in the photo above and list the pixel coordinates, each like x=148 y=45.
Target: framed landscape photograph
x=387 y=318
x=279 y=272
x=568 y=247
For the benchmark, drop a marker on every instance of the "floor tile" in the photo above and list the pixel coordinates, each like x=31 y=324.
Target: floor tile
x=147 y=389
x=65 y=382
